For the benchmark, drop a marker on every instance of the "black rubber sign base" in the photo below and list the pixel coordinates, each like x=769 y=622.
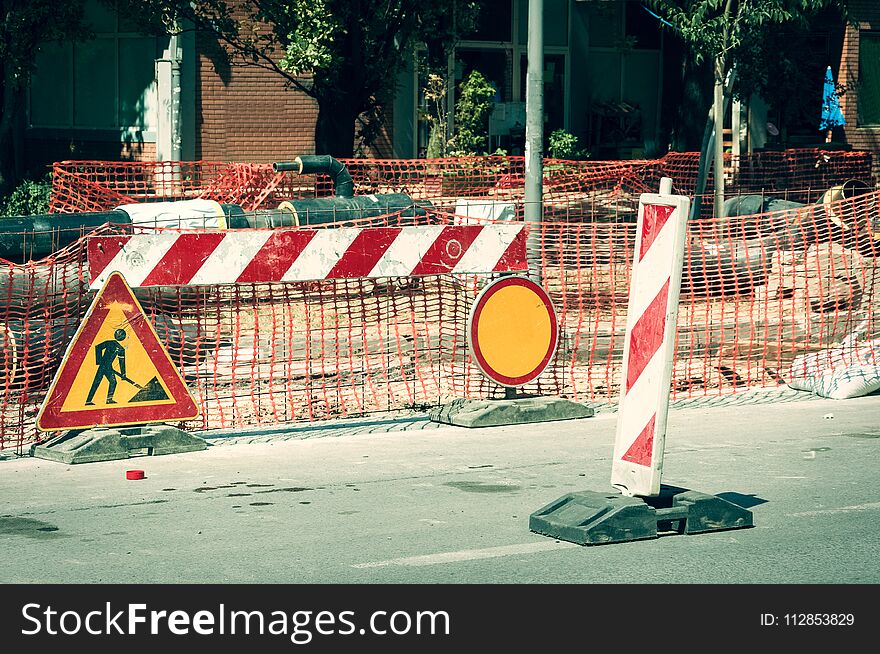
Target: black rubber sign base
x=109 y=444
x=594 y=518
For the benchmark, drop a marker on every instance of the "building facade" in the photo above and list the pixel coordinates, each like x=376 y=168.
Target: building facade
x=611 y=78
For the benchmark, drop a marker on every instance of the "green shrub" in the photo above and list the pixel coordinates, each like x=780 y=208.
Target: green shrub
x=563 y=145
x=29 y=198
x=472 y=110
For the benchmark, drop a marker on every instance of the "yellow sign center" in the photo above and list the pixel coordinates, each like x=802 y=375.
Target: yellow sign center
x=107 y=355
x=514 y=331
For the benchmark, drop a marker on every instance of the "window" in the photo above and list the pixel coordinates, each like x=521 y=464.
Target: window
x=494 y=65
x=498 y=49
x=554 y=90
x=605 y=24
x=494 y=22
x=869 y=78
x=642 y=26
x=555 y=22
x=106 y=83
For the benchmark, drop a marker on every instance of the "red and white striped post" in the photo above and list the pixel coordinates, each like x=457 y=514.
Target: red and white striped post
x=649 y=342
x=594 y=518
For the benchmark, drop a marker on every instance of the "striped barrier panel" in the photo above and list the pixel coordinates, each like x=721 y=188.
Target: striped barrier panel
x=169 y=258
x=649 y=342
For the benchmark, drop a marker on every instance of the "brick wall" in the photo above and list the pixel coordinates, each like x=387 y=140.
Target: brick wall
x=246 y=113
x=867 y=14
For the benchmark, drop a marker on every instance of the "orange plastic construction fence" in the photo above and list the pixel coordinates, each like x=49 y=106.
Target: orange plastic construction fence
x=759 y=290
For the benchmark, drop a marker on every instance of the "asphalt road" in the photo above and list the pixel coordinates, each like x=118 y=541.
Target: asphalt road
x=451 y=505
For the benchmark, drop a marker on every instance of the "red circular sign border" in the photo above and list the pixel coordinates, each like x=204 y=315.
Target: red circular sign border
x=473 y=323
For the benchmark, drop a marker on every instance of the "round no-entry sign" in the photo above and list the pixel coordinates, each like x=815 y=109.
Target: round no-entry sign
x=512 y=331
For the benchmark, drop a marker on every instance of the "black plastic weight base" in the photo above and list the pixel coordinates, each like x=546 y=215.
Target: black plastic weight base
x=594 y=518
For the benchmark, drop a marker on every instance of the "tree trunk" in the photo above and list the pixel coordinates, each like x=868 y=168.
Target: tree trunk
x=335 y=128
x=688 y=104
x=9 y=108
x=7 y=161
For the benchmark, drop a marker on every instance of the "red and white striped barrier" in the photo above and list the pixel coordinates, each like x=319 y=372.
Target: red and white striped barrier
x=649 y=342
x=166 y=258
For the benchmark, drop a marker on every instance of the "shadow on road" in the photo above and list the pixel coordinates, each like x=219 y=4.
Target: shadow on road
x=744 y=501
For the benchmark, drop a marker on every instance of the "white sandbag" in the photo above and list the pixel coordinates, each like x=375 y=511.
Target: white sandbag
x=849 y=370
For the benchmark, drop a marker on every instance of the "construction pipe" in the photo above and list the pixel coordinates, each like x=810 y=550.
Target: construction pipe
x=789 y=222
x=782 y=225
x=29 y=238
x=331 y=211
x=321 y=164
x=343 y=207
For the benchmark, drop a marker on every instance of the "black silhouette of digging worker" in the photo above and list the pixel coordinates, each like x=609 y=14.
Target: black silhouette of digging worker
x=106 y=354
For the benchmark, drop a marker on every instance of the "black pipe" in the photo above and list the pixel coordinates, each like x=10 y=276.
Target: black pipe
x=781 y=225
x=28 y=238
x=323 y=164
x=330 y=211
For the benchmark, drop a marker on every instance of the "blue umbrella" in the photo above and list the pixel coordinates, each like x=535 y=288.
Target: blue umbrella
x=832 y=116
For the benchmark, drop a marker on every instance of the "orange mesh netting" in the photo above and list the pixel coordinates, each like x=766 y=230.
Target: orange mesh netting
x=758 y=289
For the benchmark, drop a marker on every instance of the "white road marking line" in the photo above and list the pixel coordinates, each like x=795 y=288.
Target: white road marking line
x=842 y=509
x=470 y=555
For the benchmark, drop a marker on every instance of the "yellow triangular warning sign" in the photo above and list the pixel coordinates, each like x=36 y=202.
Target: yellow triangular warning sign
x=115 y=370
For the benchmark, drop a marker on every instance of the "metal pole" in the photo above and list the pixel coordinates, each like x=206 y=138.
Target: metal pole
x=534 y=158
x=718 y=116
x=176 y=122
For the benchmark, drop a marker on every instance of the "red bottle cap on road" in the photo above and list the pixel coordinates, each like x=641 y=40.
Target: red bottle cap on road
x=134 y=474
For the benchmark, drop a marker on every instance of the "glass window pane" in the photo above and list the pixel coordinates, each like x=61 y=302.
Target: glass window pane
x=555 y=22
x=869 y=78
x=94 y=100
x=494 y=65
x=643 y=26
x=604 y=20
x=50 y=86
x=554 y=89
x=494 y=22
x=137 y=93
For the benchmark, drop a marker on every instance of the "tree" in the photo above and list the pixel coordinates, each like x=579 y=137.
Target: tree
x=25 y=25
x=472 y=111
x=738 y=38
x=346 y=54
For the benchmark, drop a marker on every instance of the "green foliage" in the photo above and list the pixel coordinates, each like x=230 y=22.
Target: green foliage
x=310 y=43
x=435 y=116
x=737 y=32
x=562 y=144
x=25 y=26
x=763 y=42
x=29 y=198
x=475 y=103
x=347 y=54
